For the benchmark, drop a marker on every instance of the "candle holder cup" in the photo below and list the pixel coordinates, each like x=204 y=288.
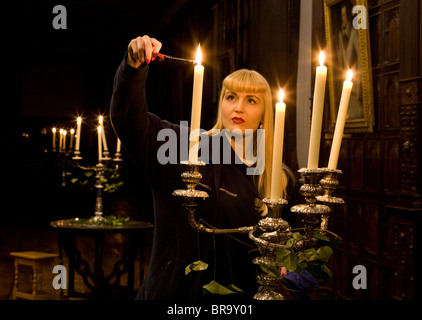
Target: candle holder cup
x=77 y=156
x=106 y=156
x=311 y=189
x=329 y=183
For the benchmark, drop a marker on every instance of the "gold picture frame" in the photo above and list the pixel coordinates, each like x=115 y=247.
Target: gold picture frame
x=348 y=46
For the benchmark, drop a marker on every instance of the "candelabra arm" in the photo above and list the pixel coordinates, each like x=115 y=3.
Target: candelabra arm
x=201 y=228
x=191 y=178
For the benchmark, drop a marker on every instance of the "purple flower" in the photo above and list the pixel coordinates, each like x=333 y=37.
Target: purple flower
x=299 y=284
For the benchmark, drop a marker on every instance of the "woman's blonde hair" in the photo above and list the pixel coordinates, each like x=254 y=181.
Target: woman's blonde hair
x=250 y=81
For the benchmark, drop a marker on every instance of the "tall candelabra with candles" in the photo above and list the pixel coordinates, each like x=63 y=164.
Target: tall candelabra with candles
x=272 y=233
x=104 y=161
x=64 y=149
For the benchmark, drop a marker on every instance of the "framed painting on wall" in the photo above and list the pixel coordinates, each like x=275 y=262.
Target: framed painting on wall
x=348 y=47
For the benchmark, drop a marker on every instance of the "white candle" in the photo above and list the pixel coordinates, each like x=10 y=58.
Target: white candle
x=317 y=111
x=64 y=140
x=277 y=165
x=78 y=134
x=72 y=135
x=54 y=138
x=198 y=80
x=61 y=140
x=341 y=120
x=104 y=142
x=99 y=143
x=118 y=145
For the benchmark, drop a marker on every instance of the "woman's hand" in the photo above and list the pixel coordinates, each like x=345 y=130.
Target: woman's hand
x=142 y=49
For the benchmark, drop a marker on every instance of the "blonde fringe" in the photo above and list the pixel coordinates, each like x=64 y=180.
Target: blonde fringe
x=245 y=80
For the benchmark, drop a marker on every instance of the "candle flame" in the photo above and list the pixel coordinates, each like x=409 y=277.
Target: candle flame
x=61 y=131
x=100 y=119
x=349 y=75
x=281 y=95
x=99 y=129
x=64 y=132
x=79 y=120
x=72 y=131
x=198 y=57
x=321 y=58
x=54 y=130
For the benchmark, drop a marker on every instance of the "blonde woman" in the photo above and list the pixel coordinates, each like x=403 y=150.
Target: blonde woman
x=234 y=196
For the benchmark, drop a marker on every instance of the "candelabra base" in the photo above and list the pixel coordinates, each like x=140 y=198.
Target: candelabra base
x=264 y=294
x=270 y=235
x=98 y=217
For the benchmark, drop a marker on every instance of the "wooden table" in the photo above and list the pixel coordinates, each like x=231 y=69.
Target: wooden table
x=100 y=284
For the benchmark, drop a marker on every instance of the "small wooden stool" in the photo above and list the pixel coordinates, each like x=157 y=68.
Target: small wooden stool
x=36 y=260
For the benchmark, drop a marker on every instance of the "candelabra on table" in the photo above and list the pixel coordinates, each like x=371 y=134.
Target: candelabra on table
x=99 y=169
x=64 y=156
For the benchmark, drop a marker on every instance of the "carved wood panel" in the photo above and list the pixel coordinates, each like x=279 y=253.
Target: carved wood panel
x=409 y=120
x=382 y=169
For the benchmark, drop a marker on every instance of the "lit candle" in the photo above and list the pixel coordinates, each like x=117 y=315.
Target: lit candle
x=341 y=120
x=277 y=165
x=317 y=111
x=99 y=143
x=78 y=133
x=72 y=135
x=64 y=140
x=61 y=140
x=198 y=80
x=118 y=145
x=54 y=138
x=100 y=120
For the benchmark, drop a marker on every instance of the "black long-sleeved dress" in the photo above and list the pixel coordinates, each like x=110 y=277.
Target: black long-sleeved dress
x=232 y=203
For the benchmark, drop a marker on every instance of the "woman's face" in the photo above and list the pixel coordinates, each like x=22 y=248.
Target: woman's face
x=242 y=110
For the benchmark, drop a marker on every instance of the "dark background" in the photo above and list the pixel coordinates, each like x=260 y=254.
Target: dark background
x=49 y=76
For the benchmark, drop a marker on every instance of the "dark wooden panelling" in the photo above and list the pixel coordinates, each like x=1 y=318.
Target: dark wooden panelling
x=391 y=166
x=381 y=184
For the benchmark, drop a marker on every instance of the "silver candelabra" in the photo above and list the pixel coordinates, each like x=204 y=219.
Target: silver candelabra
x=272 y=232
x=99 y=169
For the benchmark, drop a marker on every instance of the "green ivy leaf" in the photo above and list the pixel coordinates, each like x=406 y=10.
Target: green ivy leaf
x=89 y=173
x=327 y=271
x=271 y=270
x=288 y=258
x=281 y=253
x=300 y=267
x=232 y=287
x=290 y=242
x=291 y=261
x=321 y=236
x=320 y=271
x=216 y=288
x=324 y=253
x=196 y=266
x=309 y=254
x=297 y=236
